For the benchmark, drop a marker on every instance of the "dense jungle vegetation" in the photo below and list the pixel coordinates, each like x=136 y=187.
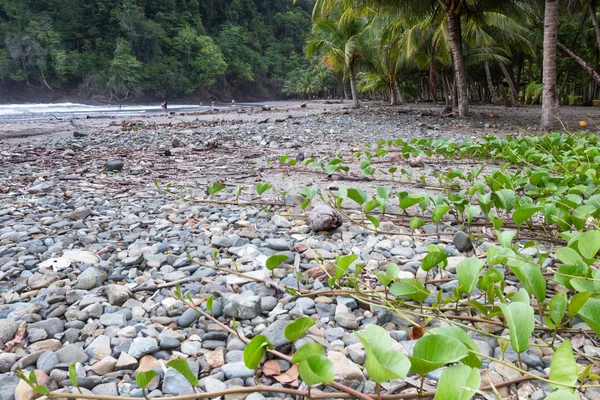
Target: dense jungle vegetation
x=156 y=48
x=454 y=50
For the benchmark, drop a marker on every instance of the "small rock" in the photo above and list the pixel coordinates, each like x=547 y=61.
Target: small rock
x=324 y=218
x=462 y=242
x=114 y=165
x=142 y=347
x=241 y=306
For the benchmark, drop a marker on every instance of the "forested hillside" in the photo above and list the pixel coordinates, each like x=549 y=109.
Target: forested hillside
x=151 y=48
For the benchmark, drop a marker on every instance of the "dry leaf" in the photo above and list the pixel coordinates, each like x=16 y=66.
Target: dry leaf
x=416 y=333
x=271 y=368
x=288 y=376
x=577 y=342
x=18 y=337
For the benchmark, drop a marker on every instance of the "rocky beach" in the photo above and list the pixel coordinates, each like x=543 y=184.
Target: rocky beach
x=102 y=218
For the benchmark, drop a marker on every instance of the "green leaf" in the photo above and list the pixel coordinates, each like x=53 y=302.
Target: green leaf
x=42 y=389
x=472 y=360
x=589 y=244
x=307 y=351
x=392 y=270
x=180 y=365
x=577 y=301
x=383 y=192
x=455 y=380
x=209 y=303
x=342 y=263
x=215 y=188
x=237 y=192
x=563 y=394
x=432 y=259
x=590 y=313
x=374 y=221
x=262 y=187
x=434 y=351
x=316 y=369
x=275 y=261
x=520 y=320
x=521 y=296
x=439 y=212
x=498 y=255
x=297 y=328
x=382 y=363
x=530 y=276
x=468 y=273
x=524 y=212
x=358 y=195
x=505 y=238
x=144 y=378
x=371 y=205
x=406 y=200
x=564 y=368
x=557 y=307
x=416 y=223
x=411 y=288
x=568 y=256
x=73 y=375
x=255 y=351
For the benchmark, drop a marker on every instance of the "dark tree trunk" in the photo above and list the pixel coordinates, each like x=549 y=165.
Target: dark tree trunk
x=355 y=101
x=460 y=80
x=592 y=6
x=579 y=61
x=513 y=90
x=549 y=101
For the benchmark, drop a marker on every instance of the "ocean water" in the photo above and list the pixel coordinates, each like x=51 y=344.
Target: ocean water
x=38 y=111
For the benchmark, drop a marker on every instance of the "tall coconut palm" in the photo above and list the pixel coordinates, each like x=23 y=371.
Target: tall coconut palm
x=549 y=95
x=455 y=13
x=343 y=42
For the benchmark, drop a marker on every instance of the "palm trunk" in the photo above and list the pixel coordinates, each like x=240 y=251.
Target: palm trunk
x=355 y=101
x=592 y=6
x=513 y=90
x=431 y=82
x=454 y=31
x=549 y=103
x=585 y=66
x=446 y=87
x=401 y=97
x=490 y=83
x=393 y=97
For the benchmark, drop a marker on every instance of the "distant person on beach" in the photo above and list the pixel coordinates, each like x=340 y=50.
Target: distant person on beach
x=164 y=106
x=109 y=106
x=201 y=104
x=232 y=102
x=212 y=103
x=119 y=106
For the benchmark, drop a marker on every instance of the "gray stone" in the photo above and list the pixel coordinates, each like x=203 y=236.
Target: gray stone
x=169 y=343
x=142 y=347
x=403 y=252
x=8 y=385
x=213 y=385
x=346 y=320
x=241 y=306
x=280 y=221
x=90 y=278
x=274 y=333
x=237 y=370
x=52 y=326
x=8 y=329
x=188 y=317
x=114 y=319
x=117 y=294
x=332 y=334
x=221 y=241
x=462 y=241
x=175 y=384
x=267 y=303
x=114 y=165
x=278 y=244
x=72 y=354
x=106 y=389
x=47 y=362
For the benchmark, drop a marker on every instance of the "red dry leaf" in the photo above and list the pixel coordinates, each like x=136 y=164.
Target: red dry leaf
x=288 y=376
x=271 y=368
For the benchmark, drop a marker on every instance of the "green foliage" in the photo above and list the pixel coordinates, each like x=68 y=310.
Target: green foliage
x=382 y=363
x=434 y=351
x=313 y=366
x=564 y=368
x=255 y=351
x=295 y=329
x=455 y=381
x=144 y=378
x=275 y=261
x=182 y=366
x=520 y=320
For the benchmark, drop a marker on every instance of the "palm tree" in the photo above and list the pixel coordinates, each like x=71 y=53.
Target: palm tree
x=455 y=13
x=343 y=42
x=549 y=96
